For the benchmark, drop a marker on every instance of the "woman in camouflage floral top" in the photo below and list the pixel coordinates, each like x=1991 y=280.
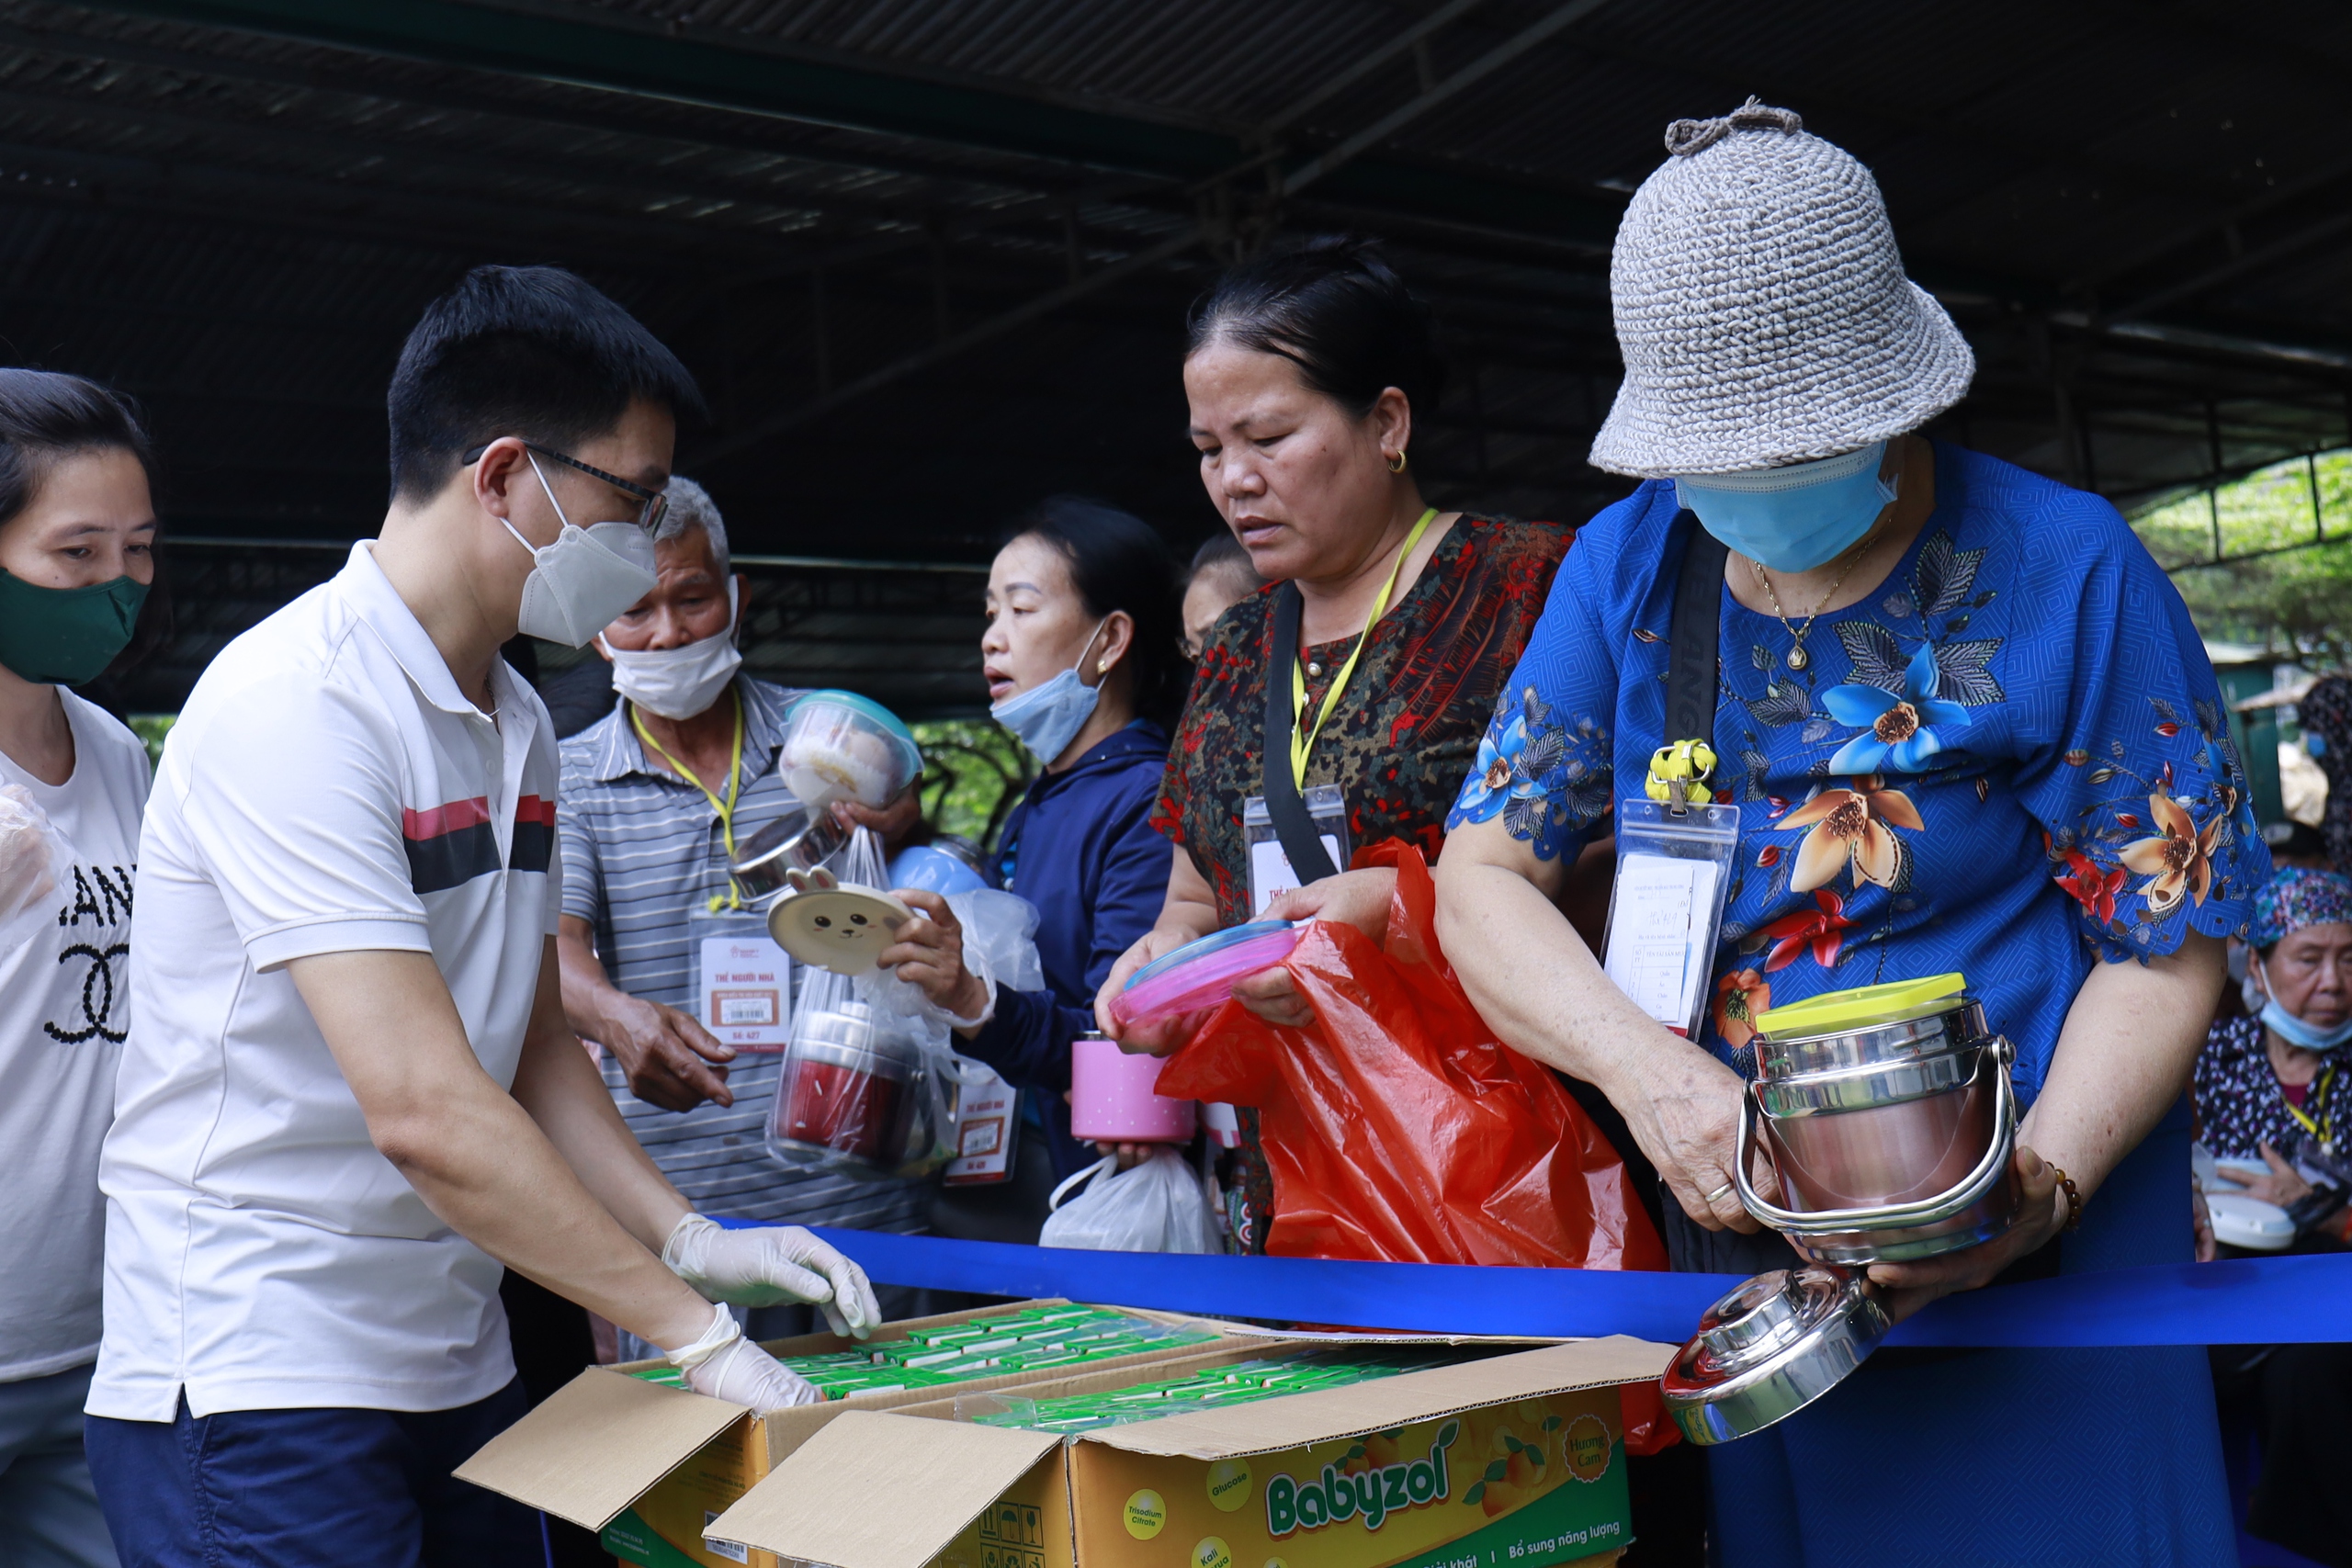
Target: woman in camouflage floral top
x=1304 y=371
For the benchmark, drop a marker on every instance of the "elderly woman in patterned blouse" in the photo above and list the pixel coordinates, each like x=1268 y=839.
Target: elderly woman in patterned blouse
x=2263 y=1083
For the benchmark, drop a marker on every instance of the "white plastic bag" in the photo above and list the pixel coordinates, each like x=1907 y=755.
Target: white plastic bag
x=33 y=857
x=1158 y=1206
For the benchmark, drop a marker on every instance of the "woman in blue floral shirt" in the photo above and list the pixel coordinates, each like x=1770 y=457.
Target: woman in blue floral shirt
x=1968 y=726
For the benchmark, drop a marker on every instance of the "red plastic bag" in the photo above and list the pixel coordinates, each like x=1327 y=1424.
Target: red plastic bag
x=1396 y=1128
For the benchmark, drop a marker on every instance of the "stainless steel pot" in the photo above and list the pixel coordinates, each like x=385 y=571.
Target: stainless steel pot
x=1889 y=1123
x=795 y=842
x=1892 y=1140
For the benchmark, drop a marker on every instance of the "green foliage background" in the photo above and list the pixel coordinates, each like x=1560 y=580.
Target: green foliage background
x=152 y=727
x=974 y=772
x=2298 y=603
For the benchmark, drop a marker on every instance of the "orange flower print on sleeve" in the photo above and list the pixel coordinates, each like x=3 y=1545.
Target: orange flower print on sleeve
x=2179 y=859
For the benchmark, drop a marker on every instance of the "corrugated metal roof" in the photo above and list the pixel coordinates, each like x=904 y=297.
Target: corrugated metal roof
x=239 y=222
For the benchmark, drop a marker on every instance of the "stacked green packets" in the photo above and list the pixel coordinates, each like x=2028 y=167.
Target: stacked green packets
x=1240 y=1384
x=1008 y=1343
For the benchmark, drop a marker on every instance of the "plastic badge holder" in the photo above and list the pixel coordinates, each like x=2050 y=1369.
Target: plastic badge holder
x=840 y=746
x=1269 y=868
x=1665 y=911
x=1201 y=973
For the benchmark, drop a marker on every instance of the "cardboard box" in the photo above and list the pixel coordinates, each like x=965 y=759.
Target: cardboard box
x=651 y=1467
x=1515 y=1460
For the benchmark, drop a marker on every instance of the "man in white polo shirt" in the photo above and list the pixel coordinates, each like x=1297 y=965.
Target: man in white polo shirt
x=349 y=1094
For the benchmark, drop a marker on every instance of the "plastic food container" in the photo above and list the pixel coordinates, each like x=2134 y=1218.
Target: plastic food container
x=2249 y=1223
x=1887 y=1114
x=937 y=869
x=840 y=746
x=1112 y=1098
x=1201 y=973
x=845 y=1088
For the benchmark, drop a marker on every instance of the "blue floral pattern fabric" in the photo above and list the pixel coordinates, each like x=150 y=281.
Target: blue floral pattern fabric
x=2010 y=758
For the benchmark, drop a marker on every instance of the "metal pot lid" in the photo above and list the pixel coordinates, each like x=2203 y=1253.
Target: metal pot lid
x=1773 y=1346
x=794 y=841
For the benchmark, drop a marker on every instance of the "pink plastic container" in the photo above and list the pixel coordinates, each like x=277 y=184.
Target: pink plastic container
x=1201 y=973
x=1112 y=1098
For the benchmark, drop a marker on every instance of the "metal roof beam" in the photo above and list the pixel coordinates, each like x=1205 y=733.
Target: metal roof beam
x=222 y=194
x=440 y=161
x=1395 y=48
x=655 y=62
x=409 y=94
x=947 y=348
x=650 y=62
x=2286 y=248
x=1413 y=108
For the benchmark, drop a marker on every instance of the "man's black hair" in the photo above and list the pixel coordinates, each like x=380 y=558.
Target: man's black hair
x=528 y=351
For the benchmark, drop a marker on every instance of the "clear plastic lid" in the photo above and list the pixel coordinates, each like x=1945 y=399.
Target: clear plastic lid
x=1206 y=947
x=840 y=746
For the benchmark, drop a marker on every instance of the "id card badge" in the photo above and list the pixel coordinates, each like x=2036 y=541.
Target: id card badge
x=988 y=1120
x=1270 y=869
x=743 y=981
x=1665 y=909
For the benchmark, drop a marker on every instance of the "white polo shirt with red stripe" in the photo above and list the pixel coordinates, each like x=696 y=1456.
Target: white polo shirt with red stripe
x=327 y=789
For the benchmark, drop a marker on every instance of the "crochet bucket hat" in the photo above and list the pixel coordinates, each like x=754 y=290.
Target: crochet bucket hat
x=1761 y=308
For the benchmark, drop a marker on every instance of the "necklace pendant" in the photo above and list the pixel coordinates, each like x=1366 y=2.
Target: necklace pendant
x=1798 y=658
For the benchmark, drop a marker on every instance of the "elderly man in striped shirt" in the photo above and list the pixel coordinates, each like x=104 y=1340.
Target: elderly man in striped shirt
x=644 y=823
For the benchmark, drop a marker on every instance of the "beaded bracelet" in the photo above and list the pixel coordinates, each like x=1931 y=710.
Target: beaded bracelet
x=2073 y=1199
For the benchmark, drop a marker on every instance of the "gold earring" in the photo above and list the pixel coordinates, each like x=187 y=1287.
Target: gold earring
x=1102 y=667
x=1396 y=462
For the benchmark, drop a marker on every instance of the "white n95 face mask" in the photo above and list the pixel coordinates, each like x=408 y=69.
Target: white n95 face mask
x=585 y=579
x=678 y=683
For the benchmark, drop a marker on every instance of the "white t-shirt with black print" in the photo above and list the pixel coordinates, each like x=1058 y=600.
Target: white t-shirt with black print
x=64 y=1007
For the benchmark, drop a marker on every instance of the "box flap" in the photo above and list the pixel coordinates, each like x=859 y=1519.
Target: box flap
x=1273 y=1424
x=874 y=1490
x=597 y=1445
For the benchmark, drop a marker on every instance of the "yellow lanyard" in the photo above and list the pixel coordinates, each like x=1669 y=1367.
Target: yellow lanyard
x=2317 y=1100
x=1300 y=745
x=726 y=809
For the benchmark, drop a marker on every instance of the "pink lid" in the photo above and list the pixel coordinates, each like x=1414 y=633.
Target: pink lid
x=1201 y=973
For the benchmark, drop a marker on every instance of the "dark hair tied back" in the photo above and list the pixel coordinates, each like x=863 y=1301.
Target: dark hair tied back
x=1117 y=562
x=45 y=415
x=1334 y=308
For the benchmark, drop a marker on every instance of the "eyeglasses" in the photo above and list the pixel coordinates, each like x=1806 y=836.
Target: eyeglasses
x=653 y=506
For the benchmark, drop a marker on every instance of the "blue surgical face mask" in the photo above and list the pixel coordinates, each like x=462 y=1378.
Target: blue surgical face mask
x=1048 y=715
x=1795 y=518
x=2295 y=1032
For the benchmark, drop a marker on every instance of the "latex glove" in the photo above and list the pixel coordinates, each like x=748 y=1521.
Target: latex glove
x=772 y=1263
x=724 y=1365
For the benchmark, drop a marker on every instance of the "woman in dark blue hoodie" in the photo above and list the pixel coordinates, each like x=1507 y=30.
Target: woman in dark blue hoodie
x=1083 y=658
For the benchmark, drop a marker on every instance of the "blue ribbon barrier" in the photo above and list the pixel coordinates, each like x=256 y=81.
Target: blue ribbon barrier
x=2254 y=1301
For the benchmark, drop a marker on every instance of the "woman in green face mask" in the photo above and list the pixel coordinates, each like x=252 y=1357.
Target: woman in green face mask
x=77 y=536
x=77 y=553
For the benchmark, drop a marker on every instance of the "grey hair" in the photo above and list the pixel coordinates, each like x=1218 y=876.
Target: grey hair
x=691 y=507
